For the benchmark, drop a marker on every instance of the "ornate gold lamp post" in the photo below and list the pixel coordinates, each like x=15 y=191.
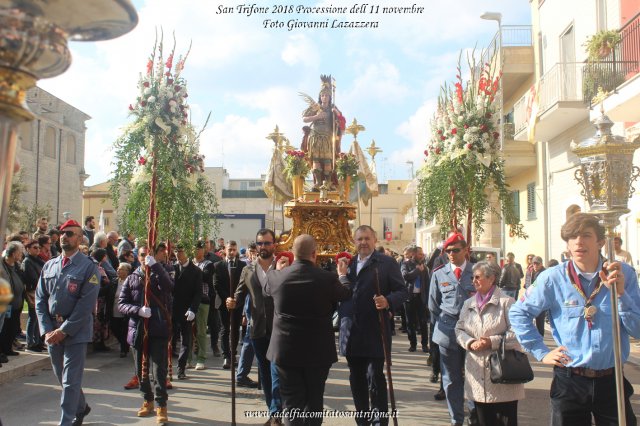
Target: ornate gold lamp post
x=606 y=174
x=33 y=45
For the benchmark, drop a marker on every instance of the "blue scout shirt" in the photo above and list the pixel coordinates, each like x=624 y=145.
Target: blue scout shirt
x=446 y=297
x=590 y=348
x=66 y=297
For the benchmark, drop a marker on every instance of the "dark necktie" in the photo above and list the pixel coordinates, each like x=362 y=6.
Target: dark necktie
x=65 y=261
x=458 y=273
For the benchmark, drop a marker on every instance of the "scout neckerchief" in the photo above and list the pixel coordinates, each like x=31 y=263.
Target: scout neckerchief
x=589 y=309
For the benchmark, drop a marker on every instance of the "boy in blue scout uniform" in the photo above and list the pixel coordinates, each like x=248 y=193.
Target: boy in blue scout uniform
x=451 y=285
x=577 y=296
x=65 y=298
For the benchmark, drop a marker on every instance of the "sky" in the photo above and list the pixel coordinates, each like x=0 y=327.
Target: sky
x=249 y=77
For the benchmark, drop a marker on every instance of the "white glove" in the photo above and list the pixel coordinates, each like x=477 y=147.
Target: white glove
x=149 y=261
x=190 y=316
x=144 y=312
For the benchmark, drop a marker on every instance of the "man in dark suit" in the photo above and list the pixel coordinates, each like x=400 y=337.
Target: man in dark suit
x=187 y=294
x=225 y=280
x=303 y=341
x=416 y=276
x=360 y=331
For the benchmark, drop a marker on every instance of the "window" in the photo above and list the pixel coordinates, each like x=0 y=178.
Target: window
x=387 y=225
x=515 y=198
x=50 y=142
x=24 y=133
x=243 y=186
x=531 y=201
x=71 y=149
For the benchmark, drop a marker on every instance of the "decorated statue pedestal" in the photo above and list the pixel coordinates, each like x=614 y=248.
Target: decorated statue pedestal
x=325 y=216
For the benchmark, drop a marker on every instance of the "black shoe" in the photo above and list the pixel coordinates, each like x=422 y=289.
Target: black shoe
x=36 y=349
x=433 y=378
x=77 y=421
x=425 y=348
x=440 y=396
x=412 y=348
x=13 y=353
x=226 y=364
x=3 y=358
x=181 y=375
x=246 y=382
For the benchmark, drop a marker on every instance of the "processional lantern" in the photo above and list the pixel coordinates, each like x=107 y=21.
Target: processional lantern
x=606 y=174
x=34 y=37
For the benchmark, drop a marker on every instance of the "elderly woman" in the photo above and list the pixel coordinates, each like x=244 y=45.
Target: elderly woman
x=119 y=322
x=482 y=325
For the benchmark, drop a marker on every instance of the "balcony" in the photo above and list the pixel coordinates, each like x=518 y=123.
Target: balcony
x=517 y=59
x=561 y=102
x=619 y=74
x=518 y=156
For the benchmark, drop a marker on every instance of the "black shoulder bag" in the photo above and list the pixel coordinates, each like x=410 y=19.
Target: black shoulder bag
x=509 y=366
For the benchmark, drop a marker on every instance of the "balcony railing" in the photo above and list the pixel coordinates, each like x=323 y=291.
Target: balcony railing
x=512 y=36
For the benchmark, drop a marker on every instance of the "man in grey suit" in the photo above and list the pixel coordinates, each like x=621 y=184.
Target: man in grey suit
x=303 y=341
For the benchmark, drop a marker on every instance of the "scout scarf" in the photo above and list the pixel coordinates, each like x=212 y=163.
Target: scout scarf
x=589 y=309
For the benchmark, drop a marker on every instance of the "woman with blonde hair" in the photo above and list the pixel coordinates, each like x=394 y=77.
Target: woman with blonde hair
x=482 y=325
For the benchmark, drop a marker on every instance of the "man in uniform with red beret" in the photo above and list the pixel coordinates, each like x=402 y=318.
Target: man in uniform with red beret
x=451 y=285
x=65 y=298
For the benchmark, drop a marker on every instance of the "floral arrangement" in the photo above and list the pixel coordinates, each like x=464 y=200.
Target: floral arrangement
x=296 y=164
x=463 y=163
x=347 y=165
x=161 y=142
x=286 y=254
x=343 y=254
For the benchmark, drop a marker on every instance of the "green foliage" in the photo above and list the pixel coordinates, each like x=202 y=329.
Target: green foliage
x=600 y=44
x=296 y=164
x=347 y=165
x=16 y=208
x=185 y=199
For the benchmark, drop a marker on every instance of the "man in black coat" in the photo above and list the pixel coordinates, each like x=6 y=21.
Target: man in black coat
x=187 y=294
x=360 y=333
x=303 y=341
x=225 y=280
x=416 y=276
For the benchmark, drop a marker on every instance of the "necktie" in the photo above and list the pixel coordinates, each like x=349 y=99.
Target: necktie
x=458 y=273
x=65 y=261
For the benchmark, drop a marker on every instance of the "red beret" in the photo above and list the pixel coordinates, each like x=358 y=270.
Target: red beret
x=70 y=223
x=454 y=238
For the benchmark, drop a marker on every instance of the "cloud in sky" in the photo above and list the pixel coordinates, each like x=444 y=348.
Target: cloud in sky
x=249 y=77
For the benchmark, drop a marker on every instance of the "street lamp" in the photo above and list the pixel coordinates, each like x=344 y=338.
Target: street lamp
x=606 y=173
x=33 y=40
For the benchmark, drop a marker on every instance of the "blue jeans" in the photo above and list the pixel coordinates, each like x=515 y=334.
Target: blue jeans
x=268 y=375
x=452 y=366
x=246 y=356
x=33 y=329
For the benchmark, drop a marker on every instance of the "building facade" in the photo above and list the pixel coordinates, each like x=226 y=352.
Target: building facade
x=51 y=151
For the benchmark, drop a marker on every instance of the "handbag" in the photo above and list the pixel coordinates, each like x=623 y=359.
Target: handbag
x=509 y=366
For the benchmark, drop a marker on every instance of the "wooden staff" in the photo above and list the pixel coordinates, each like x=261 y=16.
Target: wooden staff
x=387 y=353
x=232 y=348
x=151 y=237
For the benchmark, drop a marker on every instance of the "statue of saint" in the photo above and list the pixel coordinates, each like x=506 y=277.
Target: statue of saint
x=321 y=139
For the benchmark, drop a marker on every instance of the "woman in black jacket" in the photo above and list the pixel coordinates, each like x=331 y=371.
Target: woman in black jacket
x=32 y=265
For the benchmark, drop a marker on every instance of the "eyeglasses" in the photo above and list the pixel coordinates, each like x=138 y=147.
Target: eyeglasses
x=453 y=250
x=477 y=277
x=142 y=254
x=264 y=243
x=69 y=234
x=537 y=263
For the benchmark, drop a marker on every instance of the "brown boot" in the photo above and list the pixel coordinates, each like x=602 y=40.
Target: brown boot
x=161 y=415
x=146 y=410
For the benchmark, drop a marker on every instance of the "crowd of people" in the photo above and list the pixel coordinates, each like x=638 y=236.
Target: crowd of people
x=83 y=286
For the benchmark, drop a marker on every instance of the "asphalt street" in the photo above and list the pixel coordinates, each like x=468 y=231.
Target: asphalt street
x=205 y=398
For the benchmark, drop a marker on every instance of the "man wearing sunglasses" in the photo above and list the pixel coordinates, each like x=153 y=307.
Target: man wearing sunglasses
x=65 y=298
x=451 y=285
